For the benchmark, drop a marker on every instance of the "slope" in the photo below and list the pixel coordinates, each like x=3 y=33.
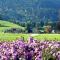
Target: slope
x=4 y=25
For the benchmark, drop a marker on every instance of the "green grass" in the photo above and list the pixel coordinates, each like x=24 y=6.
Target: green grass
x=4 y=25
x=13 y=37
x=8 y=24
x=48 y=37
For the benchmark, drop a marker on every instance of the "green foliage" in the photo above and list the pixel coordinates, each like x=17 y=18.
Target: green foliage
x=47 y=55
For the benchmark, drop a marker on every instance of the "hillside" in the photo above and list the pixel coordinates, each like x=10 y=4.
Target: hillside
x=34 y=10
x=5 y=25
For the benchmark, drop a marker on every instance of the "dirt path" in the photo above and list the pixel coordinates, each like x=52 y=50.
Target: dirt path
x=34 y=35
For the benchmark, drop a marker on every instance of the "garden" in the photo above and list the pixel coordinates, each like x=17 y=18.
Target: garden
x=32 y=49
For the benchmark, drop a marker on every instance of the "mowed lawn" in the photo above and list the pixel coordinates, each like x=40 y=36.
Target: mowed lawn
x=13 y=37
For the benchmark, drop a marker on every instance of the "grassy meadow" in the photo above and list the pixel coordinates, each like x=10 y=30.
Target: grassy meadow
x=4 y=25
x=13 y=37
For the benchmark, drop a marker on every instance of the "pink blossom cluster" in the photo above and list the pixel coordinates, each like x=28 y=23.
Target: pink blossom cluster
x=31 y=50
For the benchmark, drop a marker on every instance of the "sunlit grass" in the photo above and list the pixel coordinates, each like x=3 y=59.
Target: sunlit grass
x=13 y=37
x=4 y=25
x=48 y=37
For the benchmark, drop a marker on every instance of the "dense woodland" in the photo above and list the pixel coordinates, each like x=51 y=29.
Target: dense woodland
x=33 y=10
x=37 y=16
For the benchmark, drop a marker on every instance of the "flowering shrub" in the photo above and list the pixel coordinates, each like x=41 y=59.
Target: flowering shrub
x=31 y=50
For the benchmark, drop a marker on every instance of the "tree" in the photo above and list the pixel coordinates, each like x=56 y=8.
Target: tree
x=29 y=27
x=1 y=17
x=42 y=23
x=58 y=26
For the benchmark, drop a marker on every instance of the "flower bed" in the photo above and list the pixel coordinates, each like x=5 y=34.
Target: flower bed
x=31 y=50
